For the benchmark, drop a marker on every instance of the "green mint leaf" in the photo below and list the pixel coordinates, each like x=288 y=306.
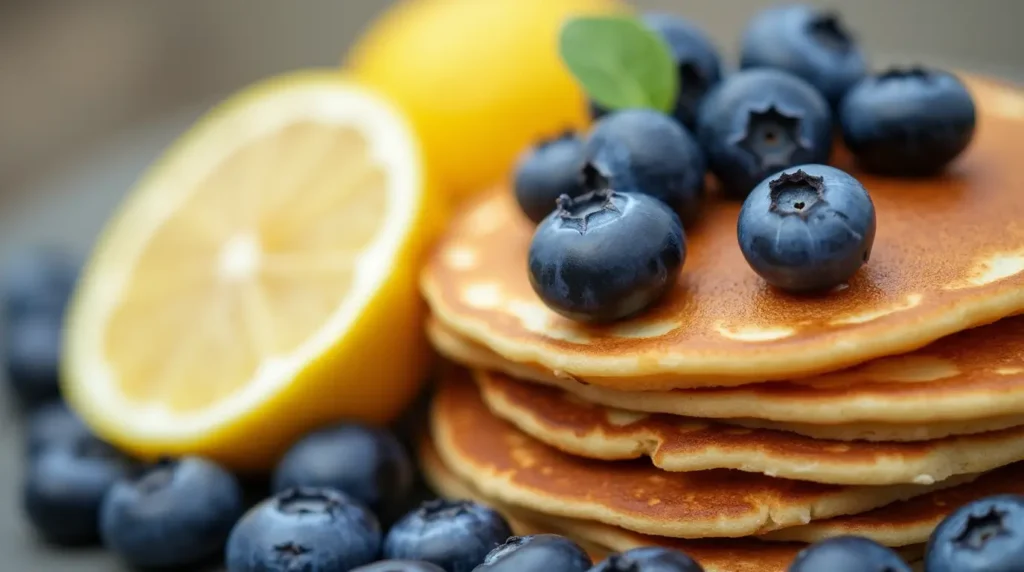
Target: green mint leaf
x=619 y=62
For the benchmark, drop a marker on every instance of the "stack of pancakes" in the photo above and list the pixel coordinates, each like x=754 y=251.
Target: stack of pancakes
x=735 y=422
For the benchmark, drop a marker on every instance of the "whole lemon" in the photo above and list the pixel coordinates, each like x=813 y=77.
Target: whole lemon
x=480 y=79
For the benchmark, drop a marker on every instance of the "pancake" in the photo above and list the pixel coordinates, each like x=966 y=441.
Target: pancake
x=975 y=375
x=885 y=432
x=682 y=444
x=715 y=555
x=506 y=464
x=911 y=521
x=948 y=255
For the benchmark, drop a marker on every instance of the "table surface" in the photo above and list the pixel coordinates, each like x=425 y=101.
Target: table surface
x=68 y=208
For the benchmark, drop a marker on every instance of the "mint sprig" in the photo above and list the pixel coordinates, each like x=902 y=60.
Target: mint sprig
x=619 y=62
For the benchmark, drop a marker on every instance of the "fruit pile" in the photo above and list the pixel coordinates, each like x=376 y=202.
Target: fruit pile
x=339 y=499
x=611 y=205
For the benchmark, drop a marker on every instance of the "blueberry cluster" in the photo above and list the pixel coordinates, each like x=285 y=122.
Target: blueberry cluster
x=766 y=133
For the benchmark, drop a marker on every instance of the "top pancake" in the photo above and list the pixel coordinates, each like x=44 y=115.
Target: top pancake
x=948 y=255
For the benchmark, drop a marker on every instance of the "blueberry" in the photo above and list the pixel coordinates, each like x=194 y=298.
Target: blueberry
x=907 y=121
x=319 y=529
x=53 y=425
x=606 y=255
x=641 y=150
x=367 y=463
x=38 y=282
x=174 y=513
x=31 y=354
x=64 y=485
x=548 y=170
x=548 y=552
x=696 y=60
x=34 y=292
x=756 y=122
x=807 y=42
x=455 y=535
x=399 y=566
x=985 y=535
x=648 y=559
x=807 y=229
x=848 y=554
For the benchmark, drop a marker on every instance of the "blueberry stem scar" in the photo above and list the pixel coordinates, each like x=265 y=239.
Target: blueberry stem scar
x=789 y=194
x=576 y=211
x=915 y=71
x=980 y=529
x=829 y=30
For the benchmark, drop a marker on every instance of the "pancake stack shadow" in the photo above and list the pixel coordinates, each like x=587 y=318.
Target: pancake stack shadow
x=732 y=422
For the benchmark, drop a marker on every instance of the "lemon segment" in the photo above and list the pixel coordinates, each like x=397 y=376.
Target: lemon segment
x=260 y=281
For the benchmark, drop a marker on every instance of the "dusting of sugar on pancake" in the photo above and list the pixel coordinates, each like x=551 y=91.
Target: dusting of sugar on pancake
x=460 y=257
x=911 y=301
x=482 y=295
x=622 y=418
x=640 y=329
x=992 y=269
x=754 y=333
x=1008 y=370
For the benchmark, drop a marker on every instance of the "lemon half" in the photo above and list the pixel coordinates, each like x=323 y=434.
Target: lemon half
x=260 y=280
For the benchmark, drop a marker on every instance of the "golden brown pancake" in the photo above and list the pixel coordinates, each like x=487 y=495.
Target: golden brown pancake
x=948 y=255
x=975 y=375
x=682 y=444
x=506 y=464
x=715 y=555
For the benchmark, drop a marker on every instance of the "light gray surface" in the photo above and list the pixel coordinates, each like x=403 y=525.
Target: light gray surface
x=69 y=205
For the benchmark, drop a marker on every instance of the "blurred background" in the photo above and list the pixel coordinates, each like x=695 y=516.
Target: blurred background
x=92 y=90
x=74 y=74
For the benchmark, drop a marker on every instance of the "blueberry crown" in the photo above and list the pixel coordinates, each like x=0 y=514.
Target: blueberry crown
x=576 y=212
x=291 y=549
x=908 y=72
x=980 y=528
x=828 y=29
x=305 y=500
x=796 y=192
x=442 y=509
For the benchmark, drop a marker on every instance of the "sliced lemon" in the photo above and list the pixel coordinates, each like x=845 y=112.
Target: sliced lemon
x=260 y=280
